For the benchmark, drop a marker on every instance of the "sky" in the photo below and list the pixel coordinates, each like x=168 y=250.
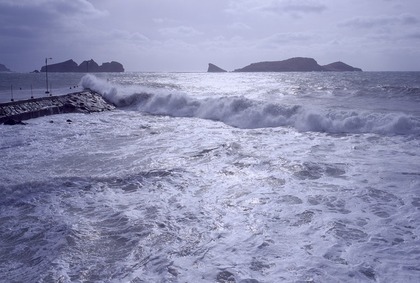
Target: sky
x=186 y=35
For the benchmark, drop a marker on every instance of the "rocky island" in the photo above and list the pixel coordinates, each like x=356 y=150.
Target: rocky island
x=297 y=64
x=3 y=68
x=340 y=67
x=70 y=66
x=214 y=69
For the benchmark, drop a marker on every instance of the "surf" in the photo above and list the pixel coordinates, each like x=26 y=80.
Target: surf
x=245 y=113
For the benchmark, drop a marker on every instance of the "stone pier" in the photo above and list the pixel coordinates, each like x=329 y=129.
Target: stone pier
x=86 y=101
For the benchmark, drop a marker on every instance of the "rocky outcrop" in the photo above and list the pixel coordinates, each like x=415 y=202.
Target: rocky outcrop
x=85 y=67
x=86 y=101
x=3 y=68
x=340 y=67
x=111 y=67
x=89 y=66
x=297 y=64
x=214 y=69
x=63 y=67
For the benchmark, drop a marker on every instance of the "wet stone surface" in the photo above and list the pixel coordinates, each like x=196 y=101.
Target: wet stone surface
x=86 y=101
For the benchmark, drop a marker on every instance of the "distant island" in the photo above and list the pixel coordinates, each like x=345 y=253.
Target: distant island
x=3 y=68
x=297 y=64
x=214 y=69
x=85 y=67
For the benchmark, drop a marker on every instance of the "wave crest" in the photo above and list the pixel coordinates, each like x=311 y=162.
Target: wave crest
x=244 y=113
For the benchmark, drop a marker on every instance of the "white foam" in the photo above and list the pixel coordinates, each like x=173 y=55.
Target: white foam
x=122 y=196
x=241 y=112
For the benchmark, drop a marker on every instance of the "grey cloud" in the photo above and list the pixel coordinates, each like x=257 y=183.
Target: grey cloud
x=29 y=19
x=239 y=26
x=285 y=38
x=297 y=6
x=294 y=7
x=55 y=8
x=164 y=34
x=179 y=31
x=373 y=22
x=76 y=7
x=135 y=37
x=412 y=36
x=243 y=7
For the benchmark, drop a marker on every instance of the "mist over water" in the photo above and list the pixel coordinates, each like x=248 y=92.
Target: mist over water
x=277 y=177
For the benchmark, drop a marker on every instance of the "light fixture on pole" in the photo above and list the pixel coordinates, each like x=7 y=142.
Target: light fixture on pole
x=46 y=73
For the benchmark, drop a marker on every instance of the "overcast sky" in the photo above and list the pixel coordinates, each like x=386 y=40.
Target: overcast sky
x=186 y=35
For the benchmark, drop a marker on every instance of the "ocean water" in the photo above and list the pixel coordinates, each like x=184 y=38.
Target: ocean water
x=200 y=177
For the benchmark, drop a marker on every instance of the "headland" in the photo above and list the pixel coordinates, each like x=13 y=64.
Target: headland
x=296 y=64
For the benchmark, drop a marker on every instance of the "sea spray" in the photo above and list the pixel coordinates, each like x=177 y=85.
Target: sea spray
x=128 y=196
x=241 y=112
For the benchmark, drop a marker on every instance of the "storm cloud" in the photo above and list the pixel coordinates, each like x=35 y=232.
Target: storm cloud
x=175 y=35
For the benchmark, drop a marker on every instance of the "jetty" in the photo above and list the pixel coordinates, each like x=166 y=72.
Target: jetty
x=86 y=101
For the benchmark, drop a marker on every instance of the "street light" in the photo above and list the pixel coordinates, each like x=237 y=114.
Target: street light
x=46 y=73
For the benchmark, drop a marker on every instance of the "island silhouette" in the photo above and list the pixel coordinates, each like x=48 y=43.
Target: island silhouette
x=296 y=64
x=85 y=67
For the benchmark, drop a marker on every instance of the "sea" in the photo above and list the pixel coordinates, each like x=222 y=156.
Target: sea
x=214 y=177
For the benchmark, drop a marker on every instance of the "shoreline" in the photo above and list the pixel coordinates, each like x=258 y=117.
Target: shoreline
x=86 y=101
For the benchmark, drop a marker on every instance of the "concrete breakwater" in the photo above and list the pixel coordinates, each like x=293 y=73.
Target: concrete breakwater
x=86 y=101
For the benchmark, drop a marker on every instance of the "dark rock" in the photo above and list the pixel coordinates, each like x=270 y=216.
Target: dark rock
x=369 y=273
x=340 y=67
x=111 y=67
x=63 y=67
x=35 y=71
x=214 y=69
x=12 y=122
x=86 y=66
x=225 y=277
x=3 y=68
x=69 y=107
x=297 y=64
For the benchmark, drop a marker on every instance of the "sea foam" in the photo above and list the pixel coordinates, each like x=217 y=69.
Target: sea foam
x=245 y=113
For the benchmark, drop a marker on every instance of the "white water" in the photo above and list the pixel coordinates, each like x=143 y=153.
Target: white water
x=270 y=177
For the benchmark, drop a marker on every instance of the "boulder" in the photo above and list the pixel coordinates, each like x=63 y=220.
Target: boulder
x=214 y=69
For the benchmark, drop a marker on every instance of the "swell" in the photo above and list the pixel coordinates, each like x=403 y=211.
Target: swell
x=241 y=112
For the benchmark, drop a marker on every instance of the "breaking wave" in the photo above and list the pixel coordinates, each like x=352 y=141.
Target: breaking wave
x=241 y=112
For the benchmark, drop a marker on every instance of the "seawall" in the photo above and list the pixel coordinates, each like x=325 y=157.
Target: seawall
x=86 y=101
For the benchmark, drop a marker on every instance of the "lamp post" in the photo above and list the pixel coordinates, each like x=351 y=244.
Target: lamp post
x=46 y=73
